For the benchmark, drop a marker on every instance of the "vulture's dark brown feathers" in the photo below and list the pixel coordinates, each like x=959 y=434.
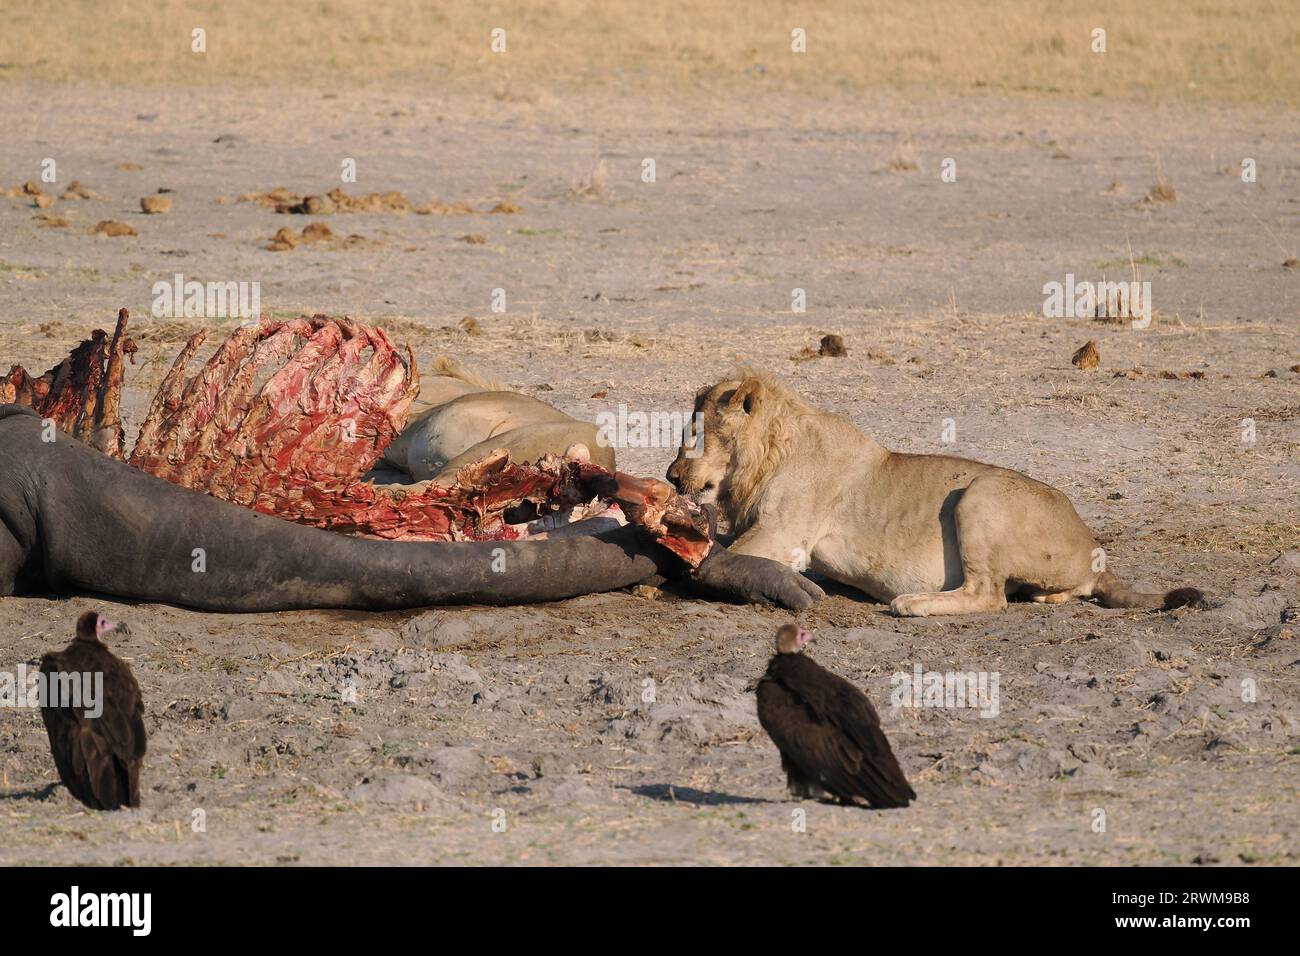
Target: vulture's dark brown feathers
x=827 y=731
x=98 y=757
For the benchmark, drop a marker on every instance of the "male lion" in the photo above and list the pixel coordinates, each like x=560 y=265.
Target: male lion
x=930 y=534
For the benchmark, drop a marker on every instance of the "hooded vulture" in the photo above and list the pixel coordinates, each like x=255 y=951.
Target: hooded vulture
x=96 y=732
x=827 y=731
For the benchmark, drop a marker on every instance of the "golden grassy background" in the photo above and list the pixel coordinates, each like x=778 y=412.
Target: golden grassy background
x=1156 y=49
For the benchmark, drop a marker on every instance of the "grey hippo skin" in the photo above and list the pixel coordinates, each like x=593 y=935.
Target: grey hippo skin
x=75 y=520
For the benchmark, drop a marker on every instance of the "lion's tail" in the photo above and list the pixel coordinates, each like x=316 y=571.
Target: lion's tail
x=1111 y=593
x=449 y=367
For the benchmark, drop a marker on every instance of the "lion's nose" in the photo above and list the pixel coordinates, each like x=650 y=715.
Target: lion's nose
x=672 y=476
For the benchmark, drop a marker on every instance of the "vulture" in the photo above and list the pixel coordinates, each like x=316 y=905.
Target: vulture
x=99 y=745
x=827 y=731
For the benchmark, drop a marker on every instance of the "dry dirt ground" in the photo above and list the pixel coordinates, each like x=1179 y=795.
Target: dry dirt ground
x=528 y=735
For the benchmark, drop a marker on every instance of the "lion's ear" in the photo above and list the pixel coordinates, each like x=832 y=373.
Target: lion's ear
x=748 y=396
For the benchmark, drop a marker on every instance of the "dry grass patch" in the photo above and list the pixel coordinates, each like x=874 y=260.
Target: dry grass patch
x=1087 y=357
x=1162 y=190
x=1155 y=50
x=902 y=159
x=1260 y=539
x=593 y=187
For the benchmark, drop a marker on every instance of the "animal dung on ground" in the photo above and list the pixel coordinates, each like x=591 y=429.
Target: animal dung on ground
x=436 y=207
x=317 y=232
x=111 y=227
x=1136 y=373
x=337 y=200
x=311 y=206
x=827 y=731
x=94 y=717
x=271 y=197
x=155 y=205
x=832 y=346
x=1087 y=357
x=283 y=240
x=76 y=190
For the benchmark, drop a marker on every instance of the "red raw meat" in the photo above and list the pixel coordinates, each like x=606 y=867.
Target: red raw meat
x=82 y=394
x=285 y=418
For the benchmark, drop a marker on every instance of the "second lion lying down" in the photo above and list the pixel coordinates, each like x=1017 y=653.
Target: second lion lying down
x=930 y=534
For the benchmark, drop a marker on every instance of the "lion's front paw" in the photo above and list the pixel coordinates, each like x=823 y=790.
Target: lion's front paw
x=909 y=605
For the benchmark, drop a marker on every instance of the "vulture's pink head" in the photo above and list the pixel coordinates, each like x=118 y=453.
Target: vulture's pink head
x=791 y=639
x=92 y=627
